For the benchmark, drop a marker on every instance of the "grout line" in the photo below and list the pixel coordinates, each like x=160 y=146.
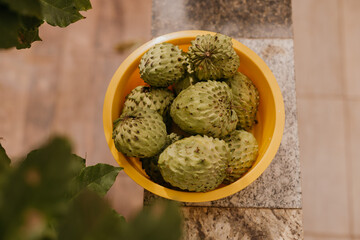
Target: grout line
x=327 y=235
x=346 y=117
x=352 y=98
x=319 y=96
x=327 y=97
x=341 y=46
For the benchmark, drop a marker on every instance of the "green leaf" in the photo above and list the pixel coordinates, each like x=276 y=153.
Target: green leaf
x=20 y=19
x=119 y=217
x=161 y=221
x=82 y=5
x=4 y=169
x=77 y=163
x=37 y=187
x=81 y=161
x=62 y=13
x=17 y=30
x=25 y=7
x=28 y=32
x=90 y=218
x=9 y=26
x=98 y=178
x=4 y=160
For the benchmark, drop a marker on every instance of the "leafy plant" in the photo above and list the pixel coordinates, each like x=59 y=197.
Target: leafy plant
x=50 y=194
x=20 y=19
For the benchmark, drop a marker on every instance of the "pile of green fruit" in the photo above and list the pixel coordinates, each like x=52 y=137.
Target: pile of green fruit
x=202 y=93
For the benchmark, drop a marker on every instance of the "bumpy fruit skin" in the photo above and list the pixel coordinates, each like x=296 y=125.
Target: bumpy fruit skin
x=205 y=108
x=244 y=150
x=162 y=65
x=245 y=100
x=141 y=133
x=212 y=57
x=150 y=165
x=197 y=163
x=184 y=83
x=158 y=99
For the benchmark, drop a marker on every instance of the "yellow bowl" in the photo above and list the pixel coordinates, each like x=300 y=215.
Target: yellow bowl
x=268 y=131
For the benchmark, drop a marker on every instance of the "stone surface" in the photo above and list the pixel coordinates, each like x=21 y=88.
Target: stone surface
x=241 y=223
x=279 y=186
x=236 y=18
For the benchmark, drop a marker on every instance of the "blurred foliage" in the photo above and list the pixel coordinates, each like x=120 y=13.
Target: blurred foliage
x=50 y=195
x=98 y=178
x=160 y=221
x=20 y=19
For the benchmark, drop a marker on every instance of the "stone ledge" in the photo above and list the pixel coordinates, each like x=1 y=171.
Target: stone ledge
x=241 y=223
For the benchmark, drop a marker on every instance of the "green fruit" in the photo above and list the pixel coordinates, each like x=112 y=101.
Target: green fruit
x=184 y=83
x=150 y=165
x=158 y=99
x=162 y=65
x=244 y=150
x=212 y=57
x=205 y=108
x=197 y=163
x=141 y=133
x=245 y=100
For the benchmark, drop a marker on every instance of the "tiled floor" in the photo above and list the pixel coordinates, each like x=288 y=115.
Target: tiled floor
x=327 y=60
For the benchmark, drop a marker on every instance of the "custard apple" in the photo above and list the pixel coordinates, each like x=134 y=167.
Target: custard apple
x=212 y=57
x=141 y=133
x=205 y=108
x=162 y=65
x=245 y=100
x=184 y=83
x=197 y=163
x=158 y=99
x=244 y=150
x=150 y=165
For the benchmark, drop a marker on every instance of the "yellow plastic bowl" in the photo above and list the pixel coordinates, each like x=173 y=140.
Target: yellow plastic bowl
x=268 y=131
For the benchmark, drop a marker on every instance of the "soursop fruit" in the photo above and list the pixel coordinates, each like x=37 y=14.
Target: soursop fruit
x=212 y=57
x=245 y=100
x=205 y=108
x=244 y=150
x=158 y=99
x=150 y=165
x=197 y=163
x=141 y=133
x=162 y=65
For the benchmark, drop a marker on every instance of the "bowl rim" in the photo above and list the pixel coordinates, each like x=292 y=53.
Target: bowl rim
x=218 y=193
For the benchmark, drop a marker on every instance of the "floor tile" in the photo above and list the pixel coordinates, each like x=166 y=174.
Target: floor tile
x=13 y=94
x=351 y=32
x=58 y=86
x=322 y=155
x=317 y=52
x=353 y=109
